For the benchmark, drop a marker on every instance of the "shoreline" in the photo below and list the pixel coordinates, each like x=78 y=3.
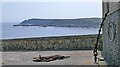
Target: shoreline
x=56 y=26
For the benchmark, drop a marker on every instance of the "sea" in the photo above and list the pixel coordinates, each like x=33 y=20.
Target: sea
x=15 y=32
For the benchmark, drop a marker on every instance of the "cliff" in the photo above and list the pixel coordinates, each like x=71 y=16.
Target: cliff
x=83 y=22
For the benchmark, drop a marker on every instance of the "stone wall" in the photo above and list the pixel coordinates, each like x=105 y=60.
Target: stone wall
x=85 y=42
x=111 y=33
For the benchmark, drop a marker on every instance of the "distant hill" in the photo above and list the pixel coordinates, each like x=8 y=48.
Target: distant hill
x=82 y=22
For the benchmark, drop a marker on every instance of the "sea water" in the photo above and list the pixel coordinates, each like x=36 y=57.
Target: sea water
x=11 y=32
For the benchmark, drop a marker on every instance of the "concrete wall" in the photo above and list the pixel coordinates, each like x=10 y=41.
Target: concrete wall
x=85 y=42
x=111 y=33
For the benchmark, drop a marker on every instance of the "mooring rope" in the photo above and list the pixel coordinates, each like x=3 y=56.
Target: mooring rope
x=99 y=31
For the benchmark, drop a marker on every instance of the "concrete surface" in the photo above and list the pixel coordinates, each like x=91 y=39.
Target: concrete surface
x=111 y=34
x=25 y=58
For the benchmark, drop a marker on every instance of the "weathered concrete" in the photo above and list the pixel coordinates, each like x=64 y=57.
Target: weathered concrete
x=111 y=33
x=25 y=58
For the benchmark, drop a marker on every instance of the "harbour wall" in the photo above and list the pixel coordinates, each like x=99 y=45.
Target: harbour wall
x=81 y=42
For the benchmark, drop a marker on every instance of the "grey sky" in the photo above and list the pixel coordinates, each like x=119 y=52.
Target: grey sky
x=19 y=11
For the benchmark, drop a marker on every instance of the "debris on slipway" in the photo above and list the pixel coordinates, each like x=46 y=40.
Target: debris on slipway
x=49 y=58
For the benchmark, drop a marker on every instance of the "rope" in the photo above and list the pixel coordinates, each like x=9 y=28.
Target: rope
x=99 y=31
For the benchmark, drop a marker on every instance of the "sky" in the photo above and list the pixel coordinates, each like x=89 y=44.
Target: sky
x=19 y=11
